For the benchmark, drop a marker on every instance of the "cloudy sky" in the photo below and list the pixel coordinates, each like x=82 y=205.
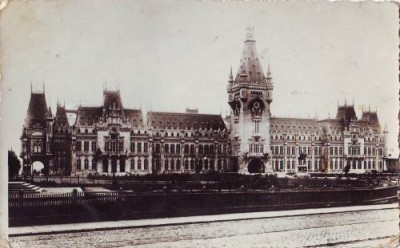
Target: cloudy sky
x=169 y=55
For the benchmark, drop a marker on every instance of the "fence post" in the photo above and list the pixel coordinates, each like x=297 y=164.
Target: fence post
x=21 y=198
x=74 y=196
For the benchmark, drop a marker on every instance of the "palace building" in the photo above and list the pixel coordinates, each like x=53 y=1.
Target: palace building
x=112 y=139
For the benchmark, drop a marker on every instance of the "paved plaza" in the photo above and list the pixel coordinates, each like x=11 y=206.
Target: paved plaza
x=362 y=226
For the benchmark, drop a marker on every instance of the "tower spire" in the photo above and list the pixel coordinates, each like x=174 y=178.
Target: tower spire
x=250 y=33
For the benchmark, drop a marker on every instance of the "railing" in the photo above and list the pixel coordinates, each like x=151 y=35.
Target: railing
x=33 y=209
x=274 y=196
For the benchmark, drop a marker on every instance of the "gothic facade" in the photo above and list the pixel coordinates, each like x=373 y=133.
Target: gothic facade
x=112 y=139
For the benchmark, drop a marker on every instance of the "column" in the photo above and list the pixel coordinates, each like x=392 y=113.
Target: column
x=99 y=166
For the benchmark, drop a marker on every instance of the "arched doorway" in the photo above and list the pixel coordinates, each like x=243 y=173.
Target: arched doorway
x=256 y=166
x=37 y=168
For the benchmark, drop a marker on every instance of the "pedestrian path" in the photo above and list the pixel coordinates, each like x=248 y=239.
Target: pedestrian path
x=109 y=225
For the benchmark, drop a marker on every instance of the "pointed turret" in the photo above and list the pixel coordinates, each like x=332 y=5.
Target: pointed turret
x=250 y=69
x=113 y=105
x=38 y=111
x=230 y=77
x=270 y=86
x=385 y=141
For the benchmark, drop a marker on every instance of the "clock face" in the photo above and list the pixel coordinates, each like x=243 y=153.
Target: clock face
x=256 y=105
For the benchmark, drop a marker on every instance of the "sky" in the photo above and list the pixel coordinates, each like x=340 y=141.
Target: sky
x=171 y=55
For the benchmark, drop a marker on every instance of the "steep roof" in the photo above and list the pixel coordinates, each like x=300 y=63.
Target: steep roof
x=371 y=118
x=134 y=116
x=331 y=125
x=61 y=115
x=294 y=124
x=165 y=120
x=37 y=110
x=346 y=112
x=112 y=102
x=89 y=115
x=249 y=63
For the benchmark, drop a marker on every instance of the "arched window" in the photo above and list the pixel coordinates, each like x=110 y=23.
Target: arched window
x=78 y=164
x=86 y=164
x=94 y=164
x=172 y=164
x=192 y=164
x=186 y=148
x=105 y=165
x=132 y=164
x=166 y=148
x=178 y=165
x=139 y=163
x=206 y=151
x=146 y=164
x=200 y=149
x=206 y=164
x=186 y=164
x=166 y=164
x=122 y=165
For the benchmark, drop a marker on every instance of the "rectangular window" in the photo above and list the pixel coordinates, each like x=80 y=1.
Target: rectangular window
x=94 y=146
x=78 y=146
x=86 y=146
x=132 y=146
x=114 y=146
x=178 y=148
x=139 y=147
x=172 y=148
x=145 y=147
x=256 y=126
x=121 y=146
x=186 y=149
x=157 y=148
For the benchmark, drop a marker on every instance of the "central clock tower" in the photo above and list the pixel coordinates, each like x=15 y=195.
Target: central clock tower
x=250 y=96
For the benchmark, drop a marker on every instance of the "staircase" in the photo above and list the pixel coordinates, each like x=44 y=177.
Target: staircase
x=15 y=187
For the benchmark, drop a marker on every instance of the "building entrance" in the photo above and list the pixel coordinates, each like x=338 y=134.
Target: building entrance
x=256 y=166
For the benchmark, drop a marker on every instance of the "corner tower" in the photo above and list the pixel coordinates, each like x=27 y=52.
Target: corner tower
x=250 y=97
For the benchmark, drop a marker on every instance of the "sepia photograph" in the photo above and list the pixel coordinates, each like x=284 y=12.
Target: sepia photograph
x=199 y=123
